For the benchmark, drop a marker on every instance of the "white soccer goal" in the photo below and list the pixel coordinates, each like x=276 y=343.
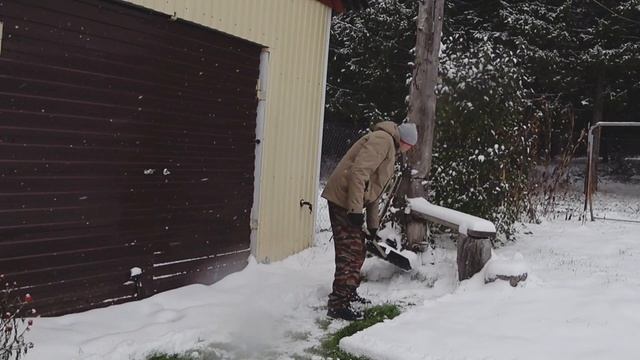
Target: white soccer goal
x=593 y=149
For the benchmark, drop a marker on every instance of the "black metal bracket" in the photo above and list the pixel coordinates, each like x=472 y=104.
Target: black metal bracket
x=137 y=280
x=306 y=203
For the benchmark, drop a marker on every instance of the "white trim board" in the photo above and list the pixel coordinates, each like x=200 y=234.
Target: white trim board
x=261 y=92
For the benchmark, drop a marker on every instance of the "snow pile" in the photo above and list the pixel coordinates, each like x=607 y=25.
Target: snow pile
x=579 y=302
x=249 y=313
x=505 y=265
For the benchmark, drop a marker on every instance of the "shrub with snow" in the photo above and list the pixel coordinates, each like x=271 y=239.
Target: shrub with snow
x=14 y=323
x=482 y=153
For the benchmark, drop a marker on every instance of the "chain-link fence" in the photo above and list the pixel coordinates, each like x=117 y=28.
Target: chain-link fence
x=337 y=138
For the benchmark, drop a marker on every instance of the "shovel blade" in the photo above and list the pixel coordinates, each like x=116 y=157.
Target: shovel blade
x=391 y=255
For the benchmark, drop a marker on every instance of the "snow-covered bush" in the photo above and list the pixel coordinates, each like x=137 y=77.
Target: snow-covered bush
x=482 y=153
x=14 y=323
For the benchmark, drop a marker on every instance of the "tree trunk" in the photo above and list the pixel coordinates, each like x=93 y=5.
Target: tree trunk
x=422 y=104
x=472 y=255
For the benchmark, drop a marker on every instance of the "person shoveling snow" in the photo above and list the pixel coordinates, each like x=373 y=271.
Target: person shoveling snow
x=358 y=182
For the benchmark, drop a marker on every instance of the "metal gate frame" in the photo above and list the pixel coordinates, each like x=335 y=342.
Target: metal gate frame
x=591 y=177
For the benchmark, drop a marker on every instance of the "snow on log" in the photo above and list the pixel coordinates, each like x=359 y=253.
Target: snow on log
x=473 y=245
x=465 y=224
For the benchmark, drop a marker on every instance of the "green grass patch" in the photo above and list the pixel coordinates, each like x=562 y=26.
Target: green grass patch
x=329 y=348
x=217 y=351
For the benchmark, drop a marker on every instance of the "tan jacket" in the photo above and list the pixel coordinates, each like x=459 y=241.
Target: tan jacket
x=363 y=172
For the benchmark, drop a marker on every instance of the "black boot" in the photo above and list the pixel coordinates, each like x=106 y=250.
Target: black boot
x=359 y=299
x=345 y=313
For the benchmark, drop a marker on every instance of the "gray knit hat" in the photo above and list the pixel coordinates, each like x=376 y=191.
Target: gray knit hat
x=408 y=133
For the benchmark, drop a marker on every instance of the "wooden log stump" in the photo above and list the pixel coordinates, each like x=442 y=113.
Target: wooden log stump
x=473 y=254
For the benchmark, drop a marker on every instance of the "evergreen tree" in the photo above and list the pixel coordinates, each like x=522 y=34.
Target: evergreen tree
x=370 y=62
x=582 y=52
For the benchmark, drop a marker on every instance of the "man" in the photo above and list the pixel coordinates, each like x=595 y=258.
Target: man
x=357 y=182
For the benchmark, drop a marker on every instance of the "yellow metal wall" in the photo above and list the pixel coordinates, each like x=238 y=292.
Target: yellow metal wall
x=296 y=34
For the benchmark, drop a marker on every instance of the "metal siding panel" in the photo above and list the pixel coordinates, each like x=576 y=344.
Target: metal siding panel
x=311 y=135
x=303 y=126
x=297 y=58
x=278 y=157
x=326 y=27
x=314 y=117
x=272 y=155
x=83 y=123
x=318 y=83
x=308 y=116
x=292 y=123
x=294 y=31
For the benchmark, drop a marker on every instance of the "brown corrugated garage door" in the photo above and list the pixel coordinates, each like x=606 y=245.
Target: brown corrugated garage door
x=126 y=140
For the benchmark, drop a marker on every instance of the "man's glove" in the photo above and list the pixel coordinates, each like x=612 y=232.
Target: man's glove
x=373 y=233
x=356 y=219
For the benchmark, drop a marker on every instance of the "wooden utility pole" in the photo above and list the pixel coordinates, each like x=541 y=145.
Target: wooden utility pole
x=422 y=104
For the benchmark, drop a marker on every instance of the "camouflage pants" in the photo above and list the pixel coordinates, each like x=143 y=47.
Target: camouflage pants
x=350 y=254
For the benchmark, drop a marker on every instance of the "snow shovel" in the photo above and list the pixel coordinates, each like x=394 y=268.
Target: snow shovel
x=382 y=250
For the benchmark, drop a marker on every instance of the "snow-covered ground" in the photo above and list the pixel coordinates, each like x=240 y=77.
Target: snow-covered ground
x=580 y=301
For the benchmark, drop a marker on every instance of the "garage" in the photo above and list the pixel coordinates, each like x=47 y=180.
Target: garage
x=127 y=152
